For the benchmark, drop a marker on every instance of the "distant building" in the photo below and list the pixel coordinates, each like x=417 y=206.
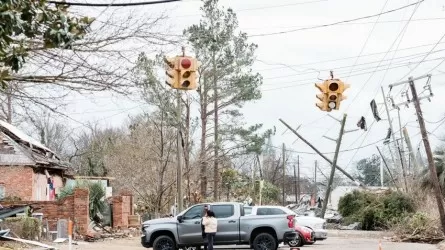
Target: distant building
x=341 y=191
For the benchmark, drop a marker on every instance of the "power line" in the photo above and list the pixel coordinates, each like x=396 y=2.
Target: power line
x=365 y=73
x=113 y=4
x=339 y=22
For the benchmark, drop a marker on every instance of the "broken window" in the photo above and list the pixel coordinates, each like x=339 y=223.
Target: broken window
x=2 y=192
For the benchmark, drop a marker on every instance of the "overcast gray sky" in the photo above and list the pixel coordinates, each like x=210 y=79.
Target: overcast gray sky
x=291 y=62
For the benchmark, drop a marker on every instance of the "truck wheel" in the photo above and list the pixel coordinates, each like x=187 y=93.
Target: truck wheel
x=264 y=241
x=164 y=242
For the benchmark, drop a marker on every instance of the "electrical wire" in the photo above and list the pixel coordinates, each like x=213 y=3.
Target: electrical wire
x=339 y=22
x=113 y=4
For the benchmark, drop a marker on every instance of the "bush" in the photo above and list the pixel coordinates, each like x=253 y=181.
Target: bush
x=96 y=196
x=375 y=211
x=23 y=227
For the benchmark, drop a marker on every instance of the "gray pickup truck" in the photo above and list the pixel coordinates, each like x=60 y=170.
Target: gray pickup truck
x=184 y=230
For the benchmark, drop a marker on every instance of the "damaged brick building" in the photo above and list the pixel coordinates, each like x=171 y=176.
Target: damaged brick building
x=29 y=171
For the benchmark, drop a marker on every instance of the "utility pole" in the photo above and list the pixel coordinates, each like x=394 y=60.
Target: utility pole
x=334 y=162
x=298 y=176
x=387 y=168
x=396 y=143
x=402 y=147
x=411 y=150
x=390 y=126
x=295 y=184
x=315 y=191
x=426 y=143
x=178 y=154
x=323 y=156
x=284 y=172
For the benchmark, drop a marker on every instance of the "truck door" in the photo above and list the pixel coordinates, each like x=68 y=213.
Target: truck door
x=189 y=230
x=228 y=223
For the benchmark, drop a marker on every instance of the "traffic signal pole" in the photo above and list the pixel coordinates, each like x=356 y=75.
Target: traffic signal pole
x=334 y=163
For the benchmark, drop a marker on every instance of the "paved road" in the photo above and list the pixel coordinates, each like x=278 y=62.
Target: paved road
x=332 y=243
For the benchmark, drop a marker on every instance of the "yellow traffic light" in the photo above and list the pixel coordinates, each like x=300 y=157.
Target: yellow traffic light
x=187 y=67
x=172 y=71
x=323 y=96
x=335 y=91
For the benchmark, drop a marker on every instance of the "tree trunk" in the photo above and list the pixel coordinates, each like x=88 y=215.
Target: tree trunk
x=203 y=157
x=216 y=143
x=187 y=150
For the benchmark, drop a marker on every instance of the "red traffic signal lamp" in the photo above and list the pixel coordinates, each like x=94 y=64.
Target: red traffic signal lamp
x=187 y=67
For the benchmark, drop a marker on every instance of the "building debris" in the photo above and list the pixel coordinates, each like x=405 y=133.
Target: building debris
x=29 y=242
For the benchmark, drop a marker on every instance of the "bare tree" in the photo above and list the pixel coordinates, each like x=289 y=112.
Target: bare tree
x=102 y=61
x=143 y=161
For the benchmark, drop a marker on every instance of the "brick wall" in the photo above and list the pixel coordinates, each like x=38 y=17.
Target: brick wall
x=17 y=181
x=122 y=208
x=74 y=207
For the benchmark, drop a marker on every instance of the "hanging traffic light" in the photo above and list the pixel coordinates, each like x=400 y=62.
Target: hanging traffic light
x=187 y=67
x=323 y=96
x=172 y=71
x=335 y=92
x=331 y=94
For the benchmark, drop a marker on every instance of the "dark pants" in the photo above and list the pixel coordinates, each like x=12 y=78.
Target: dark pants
x=210 y=240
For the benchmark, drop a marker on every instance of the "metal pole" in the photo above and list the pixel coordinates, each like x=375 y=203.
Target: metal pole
x=429 y=154
x=334 y=162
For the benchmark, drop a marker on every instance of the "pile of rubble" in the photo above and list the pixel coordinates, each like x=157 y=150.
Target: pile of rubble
x=97 y=233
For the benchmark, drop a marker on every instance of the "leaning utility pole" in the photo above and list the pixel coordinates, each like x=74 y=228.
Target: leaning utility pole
x=390 y=126
x=396 y=144
x=426 y=143
x=334 y=163
x=323 y=156
x=411 y=151
x=284 y=173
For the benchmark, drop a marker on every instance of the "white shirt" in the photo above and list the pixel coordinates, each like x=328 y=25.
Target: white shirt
x=210 y=224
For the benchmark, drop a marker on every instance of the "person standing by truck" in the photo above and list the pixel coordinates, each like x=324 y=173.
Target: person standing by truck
x=210 y=227
x=204 y=236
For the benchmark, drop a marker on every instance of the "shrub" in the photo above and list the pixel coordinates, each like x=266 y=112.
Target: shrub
x=96 y=196
x=375 y=211
x=23 y=227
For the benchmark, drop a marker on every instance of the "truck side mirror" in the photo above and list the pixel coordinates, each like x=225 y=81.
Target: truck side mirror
x=179 y=218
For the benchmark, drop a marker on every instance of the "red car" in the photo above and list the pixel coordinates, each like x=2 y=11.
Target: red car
x=305 y=236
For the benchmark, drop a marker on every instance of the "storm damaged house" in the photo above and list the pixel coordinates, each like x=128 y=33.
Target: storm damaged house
x=28 y=170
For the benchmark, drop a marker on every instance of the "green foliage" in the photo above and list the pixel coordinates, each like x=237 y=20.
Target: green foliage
x=23 y=227
x=375 y=211
x=425 y=176
x=29 y=24
x=369 y=171
x=96 y=195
